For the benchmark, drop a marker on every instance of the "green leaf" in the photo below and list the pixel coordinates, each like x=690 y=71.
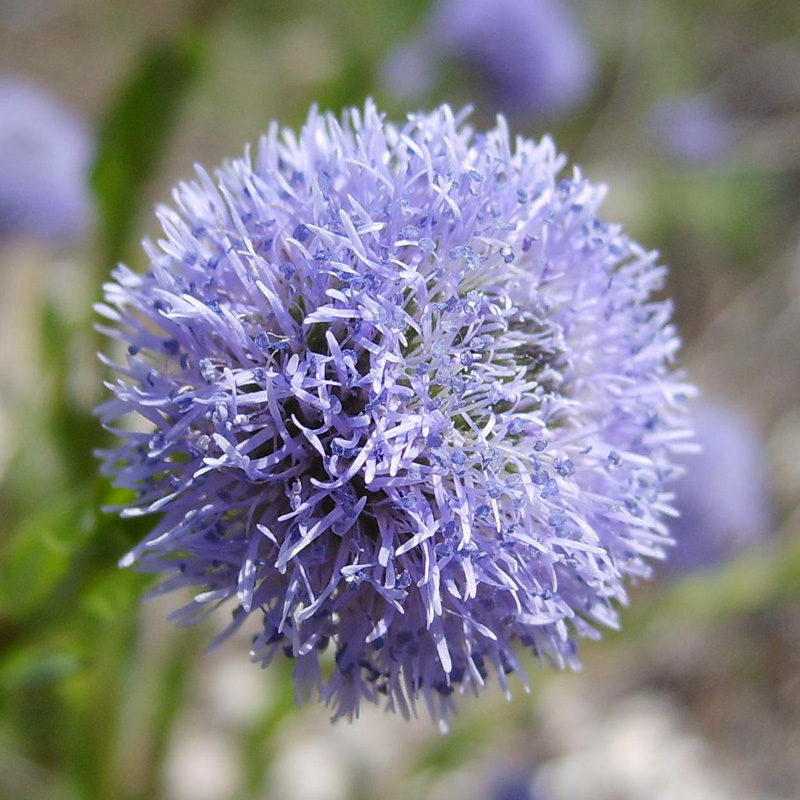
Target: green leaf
x=135 y=133
x=63 y=555
x=38 y=555
x=33 y=664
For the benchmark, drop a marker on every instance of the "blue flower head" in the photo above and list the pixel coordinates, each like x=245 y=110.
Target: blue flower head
x=406 y=399
x=45 y=155
x=529 y=57
x=722 y=495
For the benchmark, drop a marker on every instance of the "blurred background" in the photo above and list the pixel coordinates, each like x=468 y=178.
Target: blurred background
x=689 y=110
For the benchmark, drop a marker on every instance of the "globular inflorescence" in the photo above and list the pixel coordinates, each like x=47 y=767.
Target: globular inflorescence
x=403 y=397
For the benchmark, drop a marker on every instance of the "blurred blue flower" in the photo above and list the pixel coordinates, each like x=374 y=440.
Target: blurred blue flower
x=513 y=783
x=45 y=153
x=692 y=129
x=722 y=497
x=399 y=392
x=529 y=57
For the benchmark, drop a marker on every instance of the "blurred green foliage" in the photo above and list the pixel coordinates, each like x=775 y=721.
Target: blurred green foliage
x=134 y=135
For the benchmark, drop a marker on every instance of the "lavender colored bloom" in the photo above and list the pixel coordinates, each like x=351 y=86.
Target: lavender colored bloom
x=722 y=496
x=692 y=129
x=513 y=783
x=529 y=56
x=405 y=397
x=45 y=150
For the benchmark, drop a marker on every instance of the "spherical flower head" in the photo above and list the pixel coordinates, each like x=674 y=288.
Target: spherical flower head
x=45 y=154
x=406 y=398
